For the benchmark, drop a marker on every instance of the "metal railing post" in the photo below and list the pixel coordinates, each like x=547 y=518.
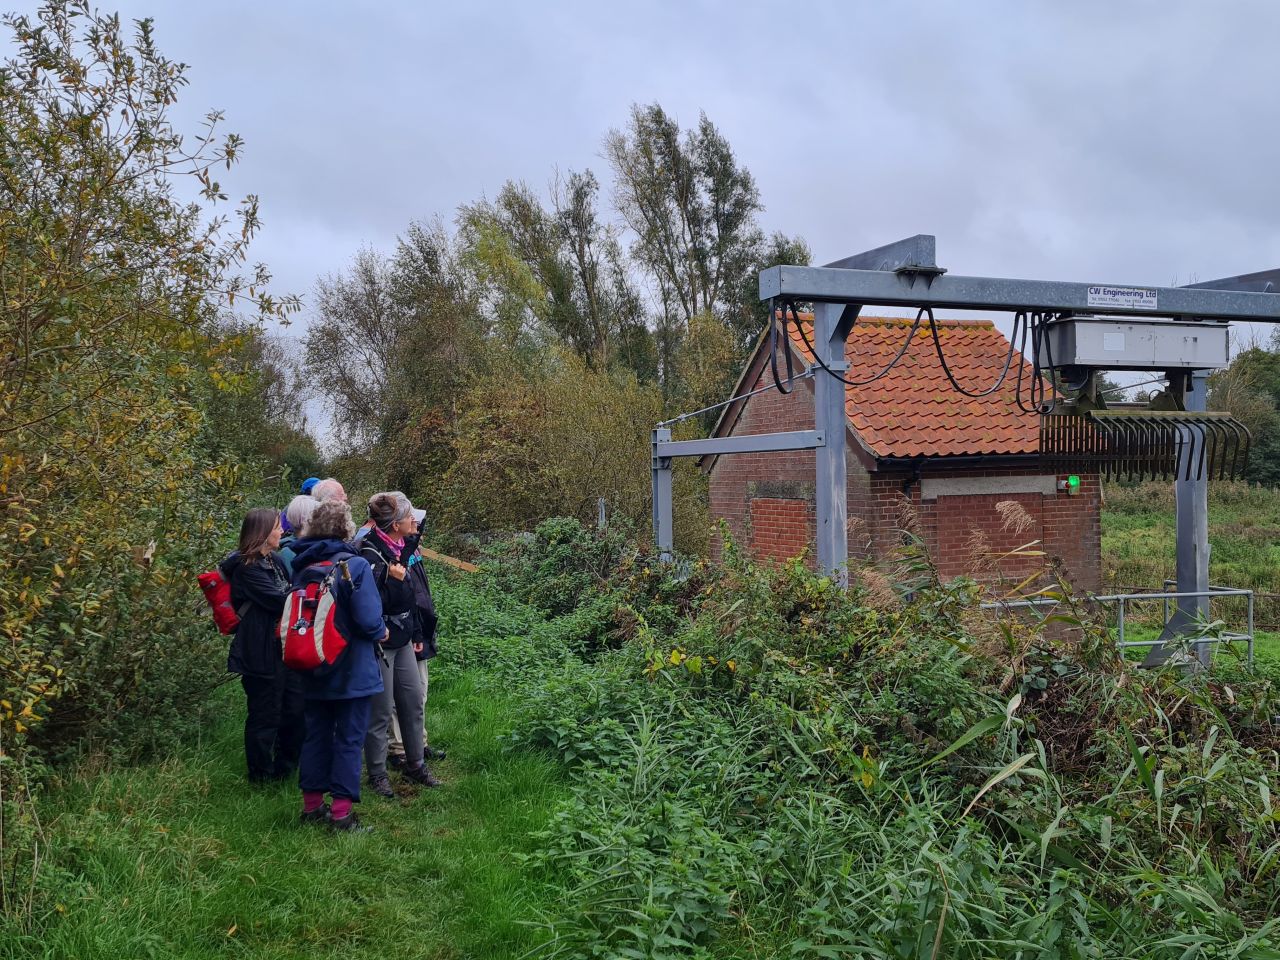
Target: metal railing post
x=1250 y=646
x=1120 y=621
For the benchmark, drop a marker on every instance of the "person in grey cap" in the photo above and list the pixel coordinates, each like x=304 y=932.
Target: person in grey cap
x=425 y=649
x=383 y=547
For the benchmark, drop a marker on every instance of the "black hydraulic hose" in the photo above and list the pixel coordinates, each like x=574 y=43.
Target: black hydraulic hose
x=942 y=359
x=773 y=350
x=1032 y=400
x=902 y=352
x=1026 y=324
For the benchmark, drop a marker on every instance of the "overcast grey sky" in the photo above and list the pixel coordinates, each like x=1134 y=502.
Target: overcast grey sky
x=1129 y=142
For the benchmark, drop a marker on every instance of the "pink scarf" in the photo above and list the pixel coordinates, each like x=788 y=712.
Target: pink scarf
x=395 y=544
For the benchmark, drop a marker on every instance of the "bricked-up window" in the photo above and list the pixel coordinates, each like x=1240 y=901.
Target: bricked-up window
x=969 y=524
x=781 y=528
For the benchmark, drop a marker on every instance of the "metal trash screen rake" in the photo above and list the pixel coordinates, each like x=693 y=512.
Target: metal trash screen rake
x=1145 y=444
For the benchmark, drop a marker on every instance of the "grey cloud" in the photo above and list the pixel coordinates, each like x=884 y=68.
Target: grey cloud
x=1092 y=140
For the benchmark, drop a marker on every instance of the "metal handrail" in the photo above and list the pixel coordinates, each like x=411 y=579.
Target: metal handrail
x=1123 y=599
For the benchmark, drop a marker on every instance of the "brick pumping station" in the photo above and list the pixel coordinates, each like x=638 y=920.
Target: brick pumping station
x=841 y=418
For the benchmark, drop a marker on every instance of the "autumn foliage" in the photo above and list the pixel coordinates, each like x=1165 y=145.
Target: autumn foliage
x=116 y=361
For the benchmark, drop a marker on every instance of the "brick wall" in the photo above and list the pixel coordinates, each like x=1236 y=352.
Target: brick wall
x=781 y=528
x=1073 y=533
x=767 y=498
x=784 y=479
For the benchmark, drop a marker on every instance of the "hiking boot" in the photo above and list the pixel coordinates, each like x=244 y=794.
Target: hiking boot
x=434 y=753
x=319 y=815
x=348 y=824
x=395 y=761
x=381 y=785
x=420 y=775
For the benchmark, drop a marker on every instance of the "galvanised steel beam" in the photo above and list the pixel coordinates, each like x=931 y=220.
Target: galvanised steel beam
x=1264 y=281
x=751 y=443
x=907 y=289
x=913 y=253
x=1191 y=523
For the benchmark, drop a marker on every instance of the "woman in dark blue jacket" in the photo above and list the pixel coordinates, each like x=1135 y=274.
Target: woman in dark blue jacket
x=259 y=582
x=337 y=704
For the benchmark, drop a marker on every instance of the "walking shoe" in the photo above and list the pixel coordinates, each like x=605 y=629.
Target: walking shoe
x=381 y=785
x=395 y=761
x=434 y=753
x=349 y=824
x=319 y=815
x=420 y=775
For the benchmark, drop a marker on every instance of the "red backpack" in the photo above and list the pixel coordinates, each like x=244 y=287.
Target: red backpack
x=217 y=593
x=310 y=640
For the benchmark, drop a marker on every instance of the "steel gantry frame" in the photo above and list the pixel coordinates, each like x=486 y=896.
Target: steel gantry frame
x=906 y=274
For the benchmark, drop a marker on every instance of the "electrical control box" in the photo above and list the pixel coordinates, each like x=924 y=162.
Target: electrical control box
x=1111 y=343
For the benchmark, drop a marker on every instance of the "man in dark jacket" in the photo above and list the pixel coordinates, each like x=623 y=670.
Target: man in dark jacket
x=337 y=703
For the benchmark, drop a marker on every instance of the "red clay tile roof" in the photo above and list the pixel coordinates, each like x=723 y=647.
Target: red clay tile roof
x=914 y=411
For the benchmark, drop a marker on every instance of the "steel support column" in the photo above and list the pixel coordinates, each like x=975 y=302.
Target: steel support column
x=1192 y=521
x=831 y=325
x=1191 y=499
x=663 y=527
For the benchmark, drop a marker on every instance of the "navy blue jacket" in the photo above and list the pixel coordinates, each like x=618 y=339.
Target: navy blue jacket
x=359 y=617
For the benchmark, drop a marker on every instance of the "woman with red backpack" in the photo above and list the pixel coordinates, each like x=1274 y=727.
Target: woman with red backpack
x=259 y=582
x=337 y=700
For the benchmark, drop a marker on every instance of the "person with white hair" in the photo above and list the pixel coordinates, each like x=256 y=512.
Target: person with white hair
x=329 y=489
x=297 y=513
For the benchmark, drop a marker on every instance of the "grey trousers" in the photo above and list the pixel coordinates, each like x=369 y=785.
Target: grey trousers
x=401 y=688
x=396 y=745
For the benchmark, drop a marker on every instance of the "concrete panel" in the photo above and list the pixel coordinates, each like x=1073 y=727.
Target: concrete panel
x=933 y=487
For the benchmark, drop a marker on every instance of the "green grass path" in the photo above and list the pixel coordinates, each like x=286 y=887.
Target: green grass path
x=182 y=859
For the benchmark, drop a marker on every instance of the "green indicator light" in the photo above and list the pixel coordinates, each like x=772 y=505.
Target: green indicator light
x=1073 y=481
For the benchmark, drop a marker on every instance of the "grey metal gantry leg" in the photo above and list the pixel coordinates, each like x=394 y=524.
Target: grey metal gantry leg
x=1191 y=498
x=831 y=325
x=663 y=527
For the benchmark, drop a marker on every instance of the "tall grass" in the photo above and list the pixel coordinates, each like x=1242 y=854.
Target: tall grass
x=736 y=762
x=1138 y=536
x=182 y=859
x=783 y=769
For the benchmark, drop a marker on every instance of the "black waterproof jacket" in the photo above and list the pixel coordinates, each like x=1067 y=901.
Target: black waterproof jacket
x=426 y=606
x=258 y=592
x=399 y=606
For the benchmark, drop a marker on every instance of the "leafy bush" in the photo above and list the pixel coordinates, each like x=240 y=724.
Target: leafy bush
x=112 y=489
x=556 y=566
x=761 y=758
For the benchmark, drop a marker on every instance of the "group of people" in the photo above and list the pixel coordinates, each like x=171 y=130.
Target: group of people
x=371 y=705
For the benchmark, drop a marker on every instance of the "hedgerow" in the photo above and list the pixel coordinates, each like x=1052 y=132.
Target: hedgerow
x=761 y=758
x=119 y=477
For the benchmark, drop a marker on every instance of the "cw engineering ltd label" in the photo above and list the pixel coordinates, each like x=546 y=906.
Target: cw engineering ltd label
x=1127 y=298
